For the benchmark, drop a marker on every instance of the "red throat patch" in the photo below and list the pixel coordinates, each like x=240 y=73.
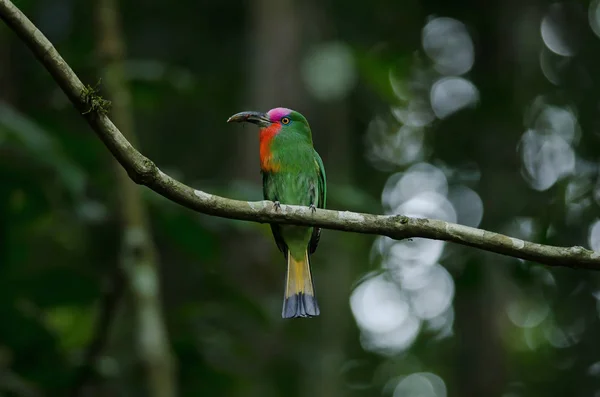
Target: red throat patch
x=266 y=136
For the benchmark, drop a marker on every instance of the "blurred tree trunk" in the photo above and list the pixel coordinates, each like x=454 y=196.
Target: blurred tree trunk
x=139 y=261
x=480 y=301
x=337 y=261
x=482 y=370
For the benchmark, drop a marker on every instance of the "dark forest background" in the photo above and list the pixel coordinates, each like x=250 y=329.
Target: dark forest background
x=481 y=113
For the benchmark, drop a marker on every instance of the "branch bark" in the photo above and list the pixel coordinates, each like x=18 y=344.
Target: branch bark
x=143 y=171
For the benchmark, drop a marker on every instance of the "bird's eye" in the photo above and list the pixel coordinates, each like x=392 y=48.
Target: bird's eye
x=285 y=120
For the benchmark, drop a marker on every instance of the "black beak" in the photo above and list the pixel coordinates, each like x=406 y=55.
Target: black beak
x=258 y=118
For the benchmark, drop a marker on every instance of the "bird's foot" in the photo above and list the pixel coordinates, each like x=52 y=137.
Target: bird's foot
x=277 y=205
x=313 y=209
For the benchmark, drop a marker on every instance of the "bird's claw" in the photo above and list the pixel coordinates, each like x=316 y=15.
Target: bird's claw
x=277 y=205
x=312 y=208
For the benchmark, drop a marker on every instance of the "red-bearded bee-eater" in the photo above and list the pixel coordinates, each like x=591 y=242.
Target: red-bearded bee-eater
x=292 y=173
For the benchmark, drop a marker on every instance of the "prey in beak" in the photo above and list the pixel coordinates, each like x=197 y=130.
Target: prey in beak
x=260 y=119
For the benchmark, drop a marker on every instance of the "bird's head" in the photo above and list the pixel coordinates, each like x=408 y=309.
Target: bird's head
x=280 y=120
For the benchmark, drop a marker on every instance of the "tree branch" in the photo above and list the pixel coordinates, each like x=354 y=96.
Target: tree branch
x=145 y=172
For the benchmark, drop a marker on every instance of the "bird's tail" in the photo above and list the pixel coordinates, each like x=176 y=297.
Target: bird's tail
x=299 y=300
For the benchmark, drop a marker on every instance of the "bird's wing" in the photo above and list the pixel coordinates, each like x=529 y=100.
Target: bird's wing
x=321 y=199
x=322 y=181
x=270 y=194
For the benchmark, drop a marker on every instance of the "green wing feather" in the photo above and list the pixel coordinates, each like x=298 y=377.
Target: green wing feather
x=275 y=229
x=316 y=235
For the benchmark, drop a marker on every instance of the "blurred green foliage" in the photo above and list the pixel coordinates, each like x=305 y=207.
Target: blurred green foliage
x=513 y=328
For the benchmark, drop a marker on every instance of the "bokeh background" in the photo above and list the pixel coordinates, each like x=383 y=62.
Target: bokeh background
x=484 y=113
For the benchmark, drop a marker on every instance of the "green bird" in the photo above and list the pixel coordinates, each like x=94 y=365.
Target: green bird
x=292 y=173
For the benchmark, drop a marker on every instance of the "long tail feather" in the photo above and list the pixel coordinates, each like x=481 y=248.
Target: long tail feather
x=299 y=299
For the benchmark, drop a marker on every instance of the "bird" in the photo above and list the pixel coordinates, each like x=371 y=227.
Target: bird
x=292 y=173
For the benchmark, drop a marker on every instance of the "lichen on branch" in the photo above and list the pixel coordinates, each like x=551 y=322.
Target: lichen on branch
x=95 y=103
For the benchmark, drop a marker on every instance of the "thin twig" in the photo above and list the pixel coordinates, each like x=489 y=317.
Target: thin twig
x=145 y=172
x=108 y=307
